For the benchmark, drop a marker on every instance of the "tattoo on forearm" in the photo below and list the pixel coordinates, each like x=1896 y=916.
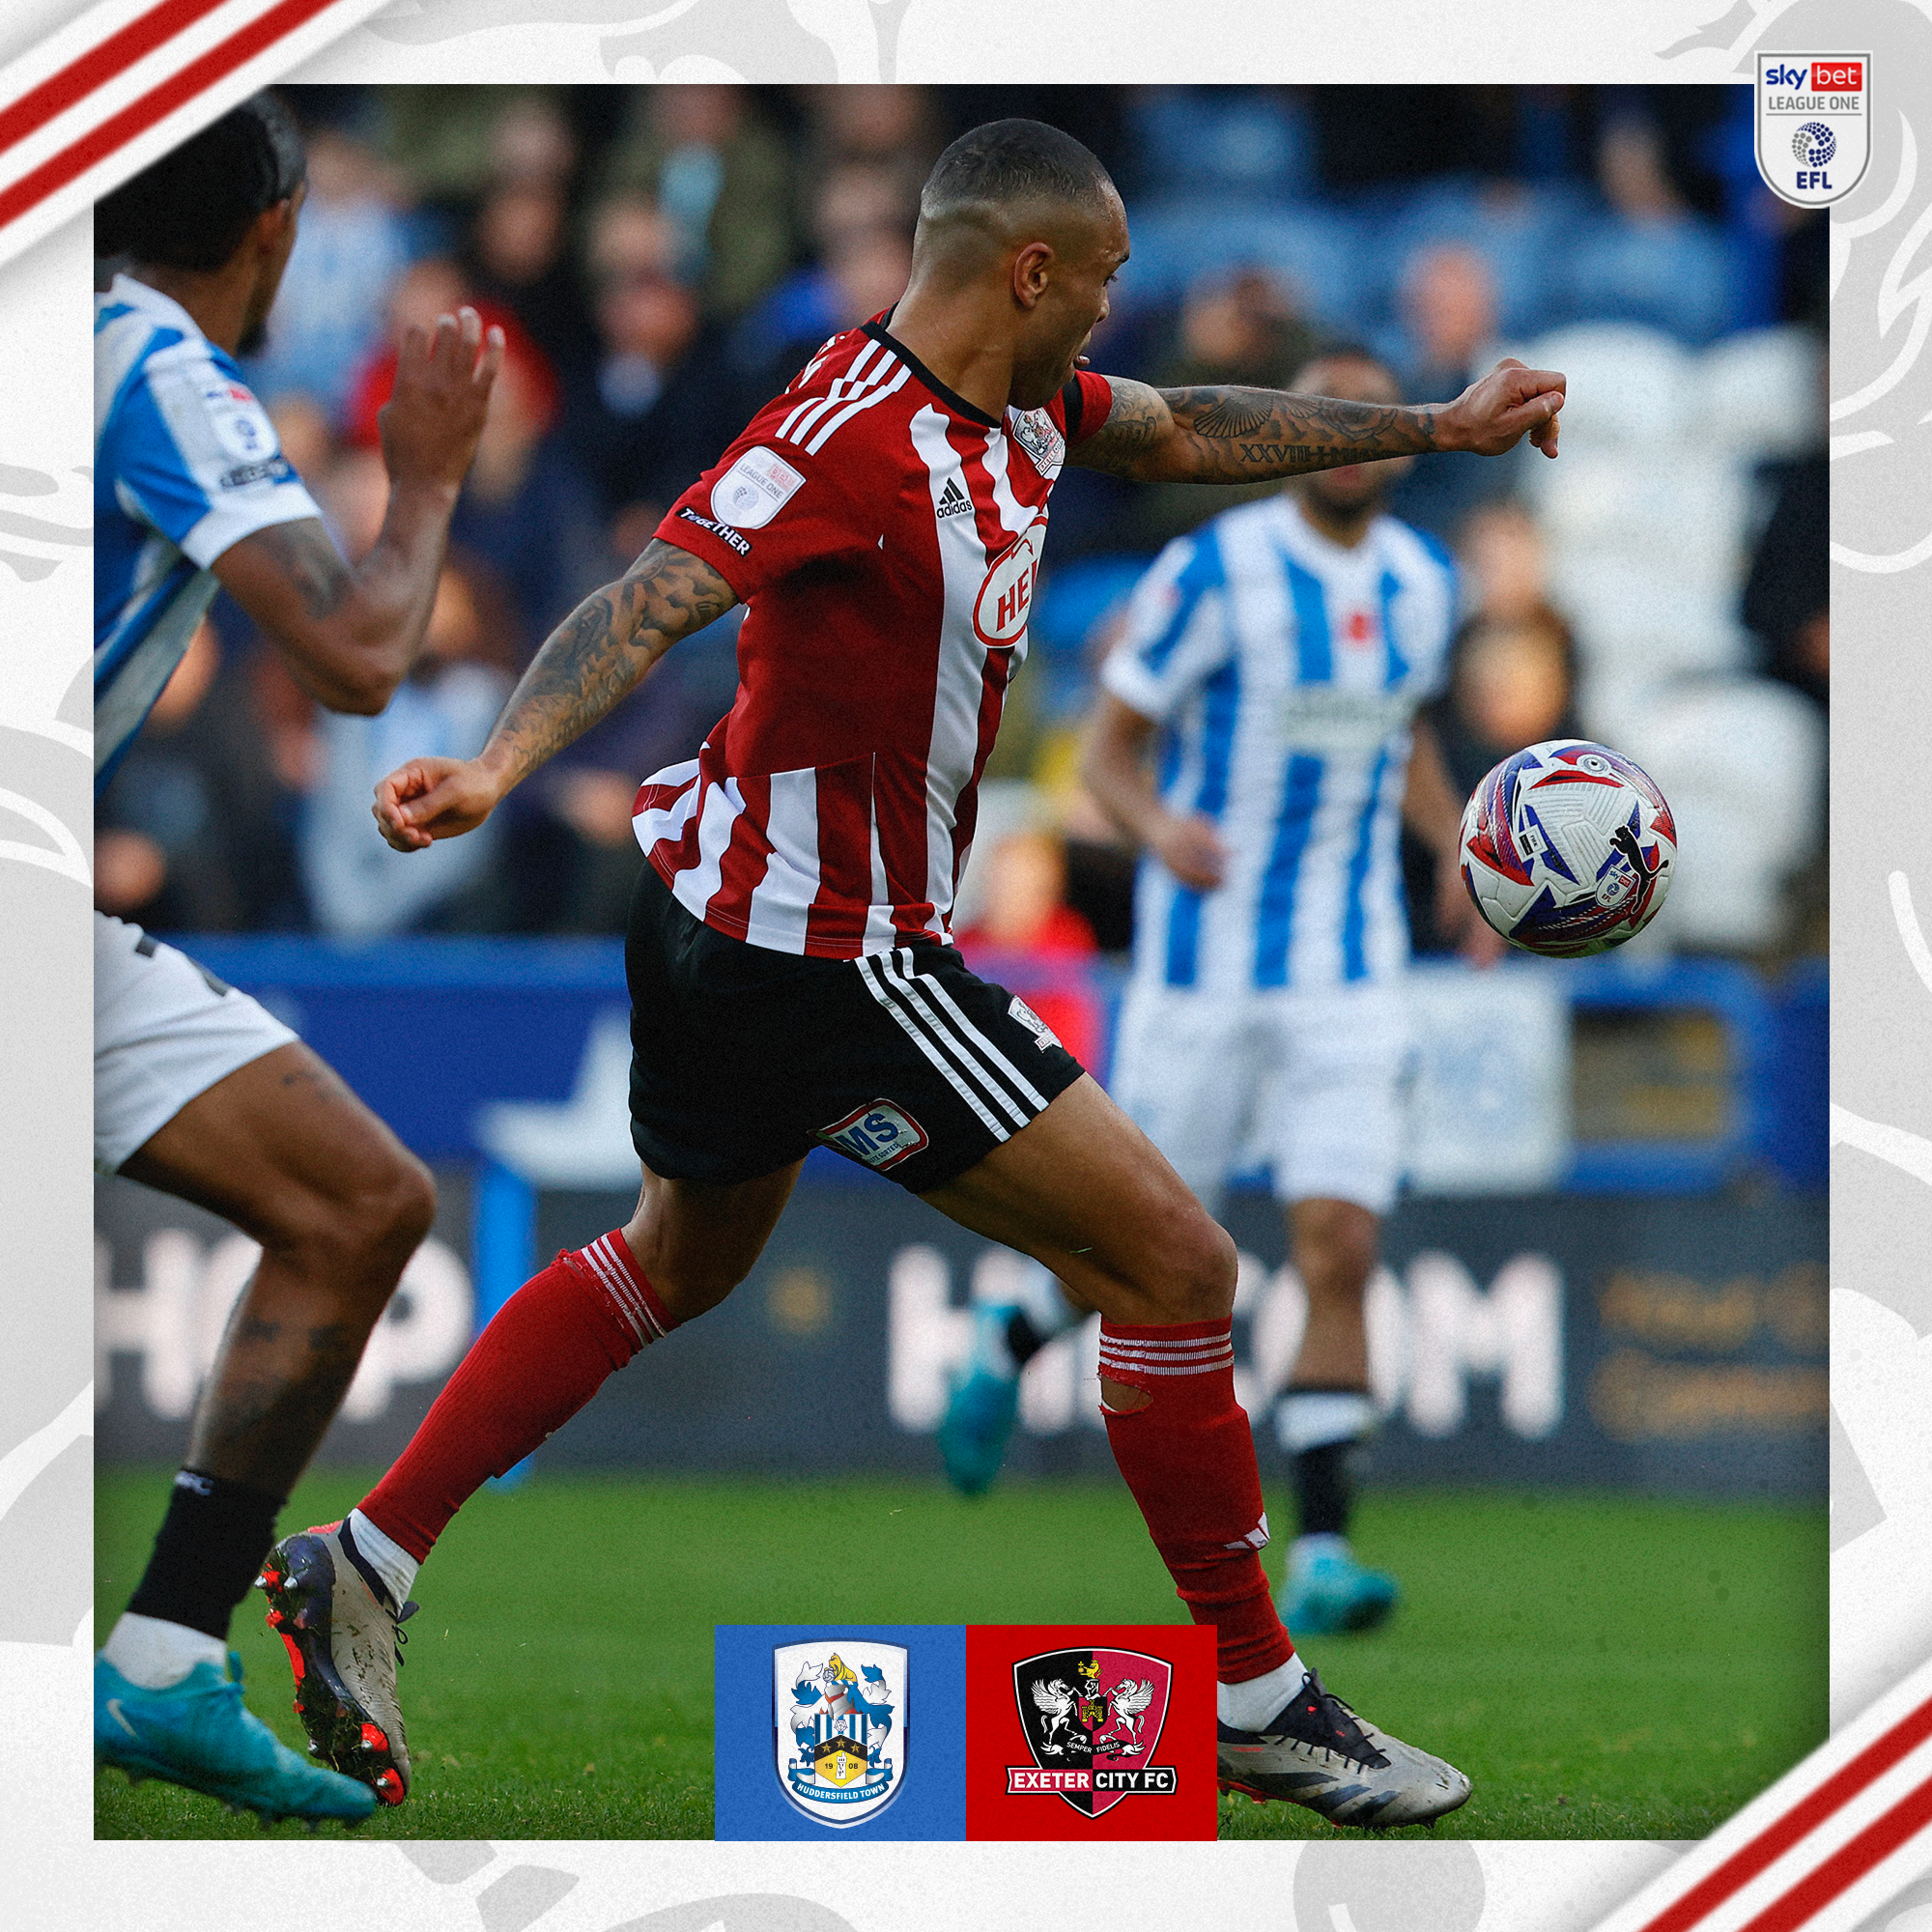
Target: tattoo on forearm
x=603 y=647
x=1245 y=436
x=312 y=564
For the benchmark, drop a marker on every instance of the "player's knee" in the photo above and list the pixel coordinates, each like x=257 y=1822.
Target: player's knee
x=1195 y=1271
x=362 y=1228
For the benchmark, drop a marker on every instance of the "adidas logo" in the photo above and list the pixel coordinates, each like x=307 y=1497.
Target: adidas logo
x=954 y=501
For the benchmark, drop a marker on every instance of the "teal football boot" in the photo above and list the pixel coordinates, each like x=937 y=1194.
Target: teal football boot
x=199 y=1734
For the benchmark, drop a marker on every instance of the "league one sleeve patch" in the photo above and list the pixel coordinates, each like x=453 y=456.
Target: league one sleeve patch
x=753 y=490
x=929 y=1732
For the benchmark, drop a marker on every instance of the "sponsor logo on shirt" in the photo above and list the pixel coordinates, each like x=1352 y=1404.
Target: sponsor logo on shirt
x=276 y=469
x=1006 y=598
x=755 y=490
x=722 y=531
x=241 y=424
x=1036 y=433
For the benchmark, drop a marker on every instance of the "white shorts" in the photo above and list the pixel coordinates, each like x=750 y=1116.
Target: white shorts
x=1310 y=1082
x=164 y=1030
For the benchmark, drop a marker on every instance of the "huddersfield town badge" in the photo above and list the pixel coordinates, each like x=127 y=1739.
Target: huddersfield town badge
x=1091 y=1719
x=1813 y=124
x=839 y=1727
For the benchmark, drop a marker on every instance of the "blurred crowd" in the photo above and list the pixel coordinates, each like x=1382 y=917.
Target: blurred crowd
x=663 y=259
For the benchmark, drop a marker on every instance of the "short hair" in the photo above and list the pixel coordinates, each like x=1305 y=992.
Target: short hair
x=190 y=209
x=1007 y=161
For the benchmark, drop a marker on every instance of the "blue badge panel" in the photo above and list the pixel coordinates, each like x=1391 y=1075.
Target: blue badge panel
x=833 y=1731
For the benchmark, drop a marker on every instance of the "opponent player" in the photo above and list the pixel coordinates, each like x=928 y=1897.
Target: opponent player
x=791 y=982
x=1285 y=647
x=197 y=1089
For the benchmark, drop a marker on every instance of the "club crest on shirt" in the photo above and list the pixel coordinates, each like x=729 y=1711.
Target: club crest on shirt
x=839 y=1727
x=1034 y=433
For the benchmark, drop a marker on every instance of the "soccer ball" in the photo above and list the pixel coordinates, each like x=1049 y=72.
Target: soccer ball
x=1567 y=848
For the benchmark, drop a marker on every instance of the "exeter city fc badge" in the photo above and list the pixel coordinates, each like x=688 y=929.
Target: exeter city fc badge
x=1813 y=124
x=1091 y=1719
x=839 y=1727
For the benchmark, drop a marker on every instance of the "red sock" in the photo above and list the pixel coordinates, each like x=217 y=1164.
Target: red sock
x=543 y=1356
x=1189 y=1459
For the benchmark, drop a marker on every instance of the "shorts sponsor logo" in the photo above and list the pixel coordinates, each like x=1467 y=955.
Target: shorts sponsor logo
x=839 y=1727
x=1092 y=1719
x=1036 y=433
x=1006 y=598
x=755 y=490
x=1044 y=1035
x=879 y=1134
x=722 y=531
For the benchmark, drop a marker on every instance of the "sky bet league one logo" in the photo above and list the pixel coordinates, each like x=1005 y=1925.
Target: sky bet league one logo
x=1091 y=1719
x=1813 y=124
x=840 y=1727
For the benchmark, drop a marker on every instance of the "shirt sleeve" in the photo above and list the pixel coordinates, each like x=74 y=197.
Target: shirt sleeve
x=194 y=456
x=1083 y=405
x=769 y=507
x=1177 y=632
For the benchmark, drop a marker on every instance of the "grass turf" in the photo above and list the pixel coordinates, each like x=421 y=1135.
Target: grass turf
x=1603 y=1666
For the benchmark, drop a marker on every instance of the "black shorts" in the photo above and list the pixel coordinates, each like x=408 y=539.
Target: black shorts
x=744 y=1060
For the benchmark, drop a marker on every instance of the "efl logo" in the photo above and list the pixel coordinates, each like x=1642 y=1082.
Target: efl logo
x=1813 y=125
x=880 y=1134
x=1065 y=1726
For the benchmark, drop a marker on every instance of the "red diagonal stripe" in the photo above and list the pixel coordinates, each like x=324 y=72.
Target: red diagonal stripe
x=1804 y=1817
x=118 y=129
x=1849 y=1863
x=95 y=67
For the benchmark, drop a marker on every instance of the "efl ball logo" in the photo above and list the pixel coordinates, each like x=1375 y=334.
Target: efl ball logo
x=1813 y=124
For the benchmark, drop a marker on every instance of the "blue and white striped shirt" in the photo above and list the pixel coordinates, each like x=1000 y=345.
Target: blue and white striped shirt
x=186 y=464
x=1287 y=671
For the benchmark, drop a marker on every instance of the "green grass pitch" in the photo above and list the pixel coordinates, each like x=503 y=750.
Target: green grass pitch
x=1602 y=1666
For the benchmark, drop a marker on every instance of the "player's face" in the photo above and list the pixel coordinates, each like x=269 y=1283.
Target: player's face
x=1354 y=487
x=1087 y=254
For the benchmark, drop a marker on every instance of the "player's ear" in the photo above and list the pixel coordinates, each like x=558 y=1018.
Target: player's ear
x=1033 y=270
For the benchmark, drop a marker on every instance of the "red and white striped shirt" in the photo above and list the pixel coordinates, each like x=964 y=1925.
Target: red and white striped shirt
x=885 y=536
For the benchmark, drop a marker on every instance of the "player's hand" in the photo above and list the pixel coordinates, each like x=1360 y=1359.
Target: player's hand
x=432 y=421
x=1458 y=919
x=1510 y=401
x=429 y=799
x=1191 y=849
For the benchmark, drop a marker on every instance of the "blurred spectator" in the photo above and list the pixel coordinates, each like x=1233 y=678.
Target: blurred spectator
x=660 y=407
x=861 y=222
x=452 y=142
x=1447 y=339
x=1787 y=593
x=1648 y=259
x=519 y=259
x=350 y=246
x=1500 y=553
x=1241 y=327
x=1024 y=916
x=722 y=179
x=190 y=834
x=358 y=887
x=888 y=130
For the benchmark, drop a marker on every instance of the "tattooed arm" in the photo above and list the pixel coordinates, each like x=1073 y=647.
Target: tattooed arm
x=1248 y=436
x=590 y=661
